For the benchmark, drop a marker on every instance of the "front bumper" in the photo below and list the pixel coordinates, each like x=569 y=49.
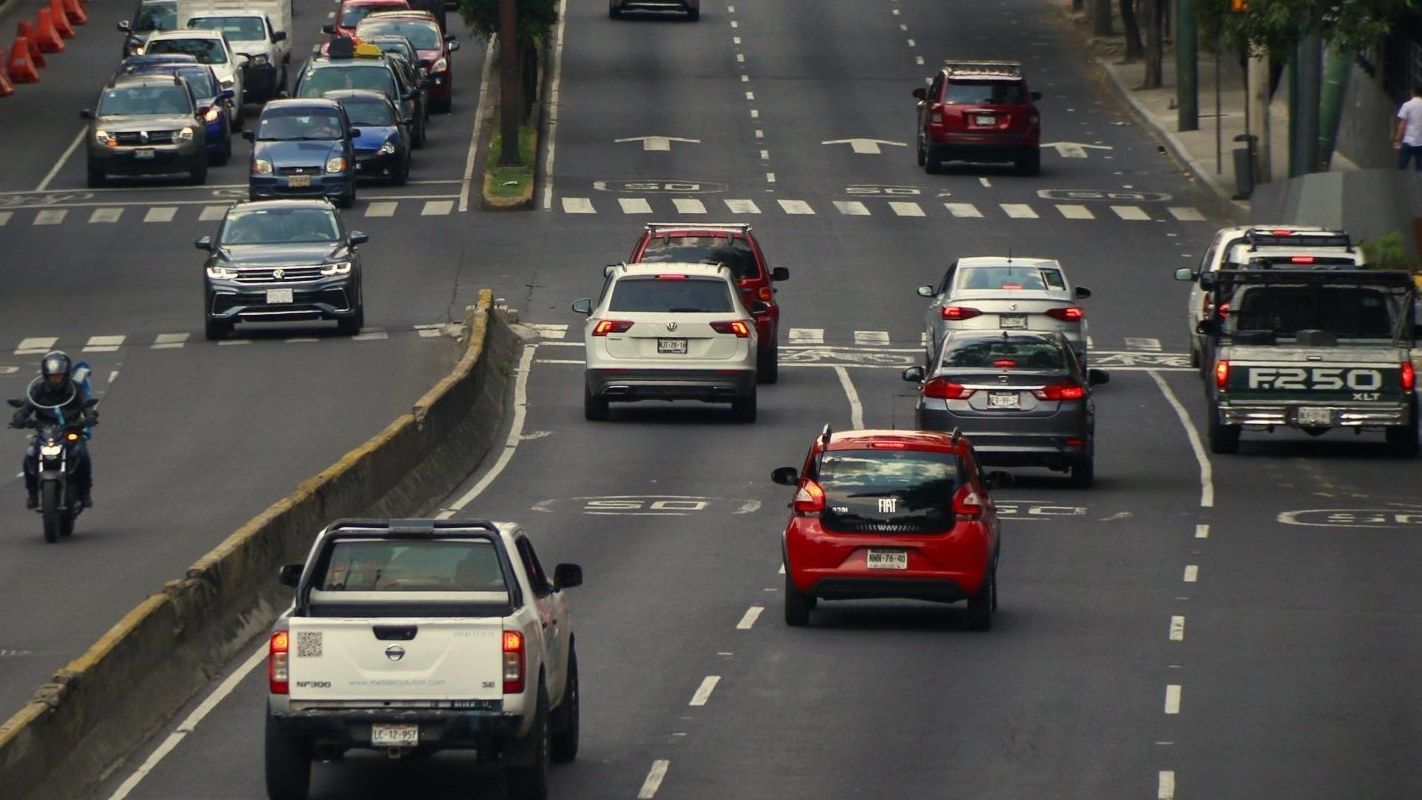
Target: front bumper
x=330 y=299
x=375 y=164
x=332 y=185
x=165 y=159
x=440 y=729
x=710 y=385
x=1285 y=415
x=441 y=87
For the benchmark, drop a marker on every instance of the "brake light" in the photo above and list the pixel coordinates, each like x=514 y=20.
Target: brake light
x=1067 y=390
x=513 y=662
x=957 y=313
x=671 y=277
x=944 y=389
x=1004 y=362
x=1223 y=310
x=277 y=675
x=606 y=326
x=739 y=328
x=1067 y=313
x=967 y=503
x=1282 y=231
x=1409 y=376
x=1301 y=259
x=810 y=499
x=1221 y=375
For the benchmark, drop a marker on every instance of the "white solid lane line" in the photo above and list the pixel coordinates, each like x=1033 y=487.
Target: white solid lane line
x=553 y=105
x=1165 y=787
x=1207 y=475
x=54 y=170
x=654 y=779
x=752 y=614
x=515 y=436
x=1172 y=698
x=703 y=692
x=856 y=409
x=1177 y=629
x=1192 y=573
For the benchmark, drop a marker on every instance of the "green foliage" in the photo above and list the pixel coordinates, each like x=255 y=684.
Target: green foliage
x=1389 y=251
x=512 y=181
x=535 y=18
x=1277 y=25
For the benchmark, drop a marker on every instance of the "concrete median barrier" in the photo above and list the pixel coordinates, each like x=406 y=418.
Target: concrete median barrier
x=105 y=703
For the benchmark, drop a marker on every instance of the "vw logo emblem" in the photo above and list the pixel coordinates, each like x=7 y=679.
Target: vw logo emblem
x=394 y=652
x=1012 y=307
x=671 y=326
x=278 y=273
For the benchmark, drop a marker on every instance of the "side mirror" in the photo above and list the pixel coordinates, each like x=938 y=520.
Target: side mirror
x=328 y=28
x=582 y=305
x=925 y=290
x=913 y=374
x=205 y=243
x=1082 y=292
x=86 y=113
x=1185 y=274
x=785 y=476
x=278 y=36
x=759 y=307
x=921 y=93
x=449 y=37
x=1097 y=377
x=997 y=479
x=1036 y=95
x=453 y=45
x=359 y=237
x=290 y=574
x=125 y=26
x=353 y=133
x=607 y=270
x=566 y=576
x=15 y=403
x=228 y=94
x=780 y=274
x=1208 y=327
x=249 y=136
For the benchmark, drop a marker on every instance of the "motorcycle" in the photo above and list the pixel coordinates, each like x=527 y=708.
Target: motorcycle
x=54 y=443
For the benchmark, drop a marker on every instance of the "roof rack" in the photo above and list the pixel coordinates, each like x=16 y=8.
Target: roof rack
x=1006 y=69
x=739 y=227
x=1389 y=278
x=411 y=527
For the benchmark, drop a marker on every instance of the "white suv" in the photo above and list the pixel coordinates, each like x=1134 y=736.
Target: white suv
x=669 y=332
x=209 y=47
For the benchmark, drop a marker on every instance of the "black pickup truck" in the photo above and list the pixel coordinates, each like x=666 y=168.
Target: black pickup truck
x=1312 y=350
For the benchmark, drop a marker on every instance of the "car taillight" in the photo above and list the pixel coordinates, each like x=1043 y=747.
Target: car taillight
x=1223 y=310
x=944 y=389
x=810 y=499
x=1301 y=259
x=1221 y=375
x=513 y=662
x=1409 y=376
x=959 y=312
x=606 y=326
x=967 y=503
x=739 y=328
x=277 y=675
x=1067 y=390
x=1067 y=313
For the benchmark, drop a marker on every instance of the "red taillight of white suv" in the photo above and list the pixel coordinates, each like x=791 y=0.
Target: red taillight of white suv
x=513 y=662
x=277 y=674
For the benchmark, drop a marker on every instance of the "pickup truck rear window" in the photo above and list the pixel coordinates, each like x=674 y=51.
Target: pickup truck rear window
x=1345 y=312
x=412 y=566
x=888 y=491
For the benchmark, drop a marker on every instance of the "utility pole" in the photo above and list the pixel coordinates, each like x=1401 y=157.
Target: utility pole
x=1187 y=68
x=1259 y=125
x=1306 y=84
x=509 y=105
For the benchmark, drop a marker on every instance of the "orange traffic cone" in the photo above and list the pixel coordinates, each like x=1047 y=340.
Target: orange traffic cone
x=20 y=66
x=61 y=19
x=27 y=32
x=46 y=34
x=6 y=88
x=74 y=10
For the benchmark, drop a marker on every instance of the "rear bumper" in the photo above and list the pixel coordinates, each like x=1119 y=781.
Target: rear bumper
x=711 y=385
x=259 y=83
x=1043 y=442
x=972 y=147
x=439 y=729
x=945 y=589
x=1286 y=415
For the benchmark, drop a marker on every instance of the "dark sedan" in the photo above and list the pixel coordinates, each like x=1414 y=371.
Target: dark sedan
x=279 y=261
x=1024 y=398
x=383 y=148
x=303 y=148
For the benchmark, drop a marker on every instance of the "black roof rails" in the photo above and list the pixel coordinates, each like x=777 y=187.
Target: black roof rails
x=411 y=527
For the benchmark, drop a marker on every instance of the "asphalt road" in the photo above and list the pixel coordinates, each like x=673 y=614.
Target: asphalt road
x=1199 y=628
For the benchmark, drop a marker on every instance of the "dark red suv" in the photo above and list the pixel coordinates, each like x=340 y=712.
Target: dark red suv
x=890 y=514
x=979 y=111
x=733 y=245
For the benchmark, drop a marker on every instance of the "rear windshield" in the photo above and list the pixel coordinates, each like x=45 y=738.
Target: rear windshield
x=423 y=34
x=364 y=112
x=1038 y=354
x=735 y=254
x=1008 y=93
x=238 y=29
x=201 y=82
x=206 y=51
x=888 y=490
x=1278 y=313
x=354 y=14
x=437 y=565
x=376 y=77
x=155 y=17
x=1012 y=278
x=682 y=295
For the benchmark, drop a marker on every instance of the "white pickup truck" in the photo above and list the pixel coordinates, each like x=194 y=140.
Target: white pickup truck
x=257 y=29
x=413 y=636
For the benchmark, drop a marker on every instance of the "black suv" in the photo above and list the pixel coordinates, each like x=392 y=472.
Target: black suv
x=282 y=260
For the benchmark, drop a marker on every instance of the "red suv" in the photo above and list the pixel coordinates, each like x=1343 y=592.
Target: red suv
x=891 y=514
x=733 y=245
x=979 y=111
x=350 y=12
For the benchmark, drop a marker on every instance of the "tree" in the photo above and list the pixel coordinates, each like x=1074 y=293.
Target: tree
x=1277 y=25
x=534 y=18
x=1134 y=49
x=1154 y=44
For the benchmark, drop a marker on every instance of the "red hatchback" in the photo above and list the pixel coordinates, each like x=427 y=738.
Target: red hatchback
x=979 y=111
x=433 y=46
x=733 y=245
x=350 y=12
x=890 y=514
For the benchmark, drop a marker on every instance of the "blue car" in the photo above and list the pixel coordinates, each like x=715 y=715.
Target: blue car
x=303 y=148
x=383 y=148
x=207 y=93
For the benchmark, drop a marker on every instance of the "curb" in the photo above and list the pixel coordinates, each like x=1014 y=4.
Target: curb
x=118 y=693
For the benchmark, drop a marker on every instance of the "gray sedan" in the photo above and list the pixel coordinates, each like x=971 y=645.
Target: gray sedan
x=1023 y=398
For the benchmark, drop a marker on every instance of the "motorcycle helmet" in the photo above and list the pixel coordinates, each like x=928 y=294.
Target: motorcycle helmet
x=55 y=368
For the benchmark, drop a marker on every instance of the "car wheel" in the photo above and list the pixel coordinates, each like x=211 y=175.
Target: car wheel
x=743 y=408
x=216 y=329
x=932 y=164
x=1083 y=471
x=347 y=200
x=981 y=605
x=350 y=326
x=797 y=604
x=567 y=717
x=921 y=151
x=417 y=136
x=1030 y=164
x=1223 y=438
x=288 y=765
x=531 y=782
x=198 y=174
x=1194 y=353
x=1402 y=439
x=237 y=121
x=96 y=177
x=767 y=365
x=401 y=175
x=594 y=408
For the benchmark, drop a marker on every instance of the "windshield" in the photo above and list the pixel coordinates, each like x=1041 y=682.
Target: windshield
x=299 y=124
x=1274 y=314
x=206 y=51
x=155 y=17
x=888 y=490
x=280 y=226
x=980 y=92
x=238 y=29
x=403 y=566
x=377 y=78
x=354 y=14
x=733 y=253
x=423 y=35
x=997 y=352
x=1012 y=278
x=683 y=295
x=200 y=81
x=366 y=112
x=129 y=101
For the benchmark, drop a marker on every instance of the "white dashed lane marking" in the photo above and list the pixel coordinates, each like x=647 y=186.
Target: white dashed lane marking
x=212 y=213
x=1071 y=211
x=1132 y=213
x=851 y=208
x=51 y=216
x=36 y=345
x=796 y=207
x=963 y=210
x=161 y=214
x=577 y=205
x=748 y=619
x=103 y=215
x=1177 y=629
x=1186 y=214
x=742 y=207
x=437 y=208
x=1172 y=698
x=381 y=208
x=904 y=208
x=703 y=692
x=103 y=344
x=634 y=205
x=688 y=205
x=1192 y=573
x=5 y=217
x=1018 y=210
x=169 y=341
x=871 y=338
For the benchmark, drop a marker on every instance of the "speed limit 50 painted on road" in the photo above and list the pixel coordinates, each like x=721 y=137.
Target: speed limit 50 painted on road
x=1402 y=518
x=649 y=505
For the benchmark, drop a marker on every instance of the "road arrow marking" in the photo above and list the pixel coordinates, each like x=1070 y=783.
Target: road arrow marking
x=865 y=147
x=1075 y=149
x=657 y=143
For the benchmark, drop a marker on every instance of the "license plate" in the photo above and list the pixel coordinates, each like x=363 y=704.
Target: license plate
x=671 y=346
x=984 y=119
x=146 y=152
x=299 y=181
x=1012 y=321
x=1003 y=400
x=394 y=735
x=887 y=559
x=279 y=296
x=1315 y=416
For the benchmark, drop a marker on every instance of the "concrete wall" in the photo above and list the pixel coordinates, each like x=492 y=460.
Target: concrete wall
x=1365 y=131
x=1368 y=203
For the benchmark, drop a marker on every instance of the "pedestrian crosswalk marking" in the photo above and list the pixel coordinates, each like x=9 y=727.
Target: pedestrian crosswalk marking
x=905 y=208
x=437 y=208
x=851 y=208
x=103 y=344
x=1018 y=210
x=872 y=338
x=428 y=331
x=965 y=210
x=577 y=205
x=51 y=216
x=381 y=208
x=36 y=345
x=1130 y=213
x=688 y=205
x=105 y=215
x=370 y=336
x=807 y=335
x=549 y=330
x=742 y=207
x=1142 y=343
x=634 y=205
x=1075 y=211
x=796 y=207
x=5 y=217
x=161 y=214
x=170 y=341
x=212 y=213
x=1186 y=214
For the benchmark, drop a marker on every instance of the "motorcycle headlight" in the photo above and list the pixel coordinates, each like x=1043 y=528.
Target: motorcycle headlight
x=387 y=149
x=105 y=138
x=441 y=65
x=261 y=166
x=214 y=113
x=338 y=268
x=51 y=450
x=184 y=135
x=221 y=273
x=336 y=164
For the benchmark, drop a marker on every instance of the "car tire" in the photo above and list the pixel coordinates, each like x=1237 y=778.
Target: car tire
x=350 y=326
x=1195 y=358
x=347 y=200
x=932 y=164
x=97 y=180
x=595 y=409
x=1083 y=471
x=237 y=121
x=197 y=176
x=920 y=151
x=417 y=137
x=567 y=718
x=981 y=605
x=1402 y=439
x=401 y=175
x=1223 y=439
x=216 y=330
x=531 y=782
x=767 y=365
x=743 y=408
x=693 y=13
x=288 y=765
x=1030 y=164
x=797 y=604
x=225 y=154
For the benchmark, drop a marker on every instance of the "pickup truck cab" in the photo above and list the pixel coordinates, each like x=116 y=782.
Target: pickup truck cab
x=414 y=636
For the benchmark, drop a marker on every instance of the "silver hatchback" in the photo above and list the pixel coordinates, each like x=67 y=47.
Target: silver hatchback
x=1023 y=398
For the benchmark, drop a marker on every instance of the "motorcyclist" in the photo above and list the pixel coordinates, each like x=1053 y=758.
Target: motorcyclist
x=56 y=399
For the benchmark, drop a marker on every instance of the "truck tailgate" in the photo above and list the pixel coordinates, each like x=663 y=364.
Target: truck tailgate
x=393 y=659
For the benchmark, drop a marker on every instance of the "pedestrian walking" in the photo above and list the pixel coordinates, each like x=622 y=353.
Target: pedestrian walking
x=1408 y=140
